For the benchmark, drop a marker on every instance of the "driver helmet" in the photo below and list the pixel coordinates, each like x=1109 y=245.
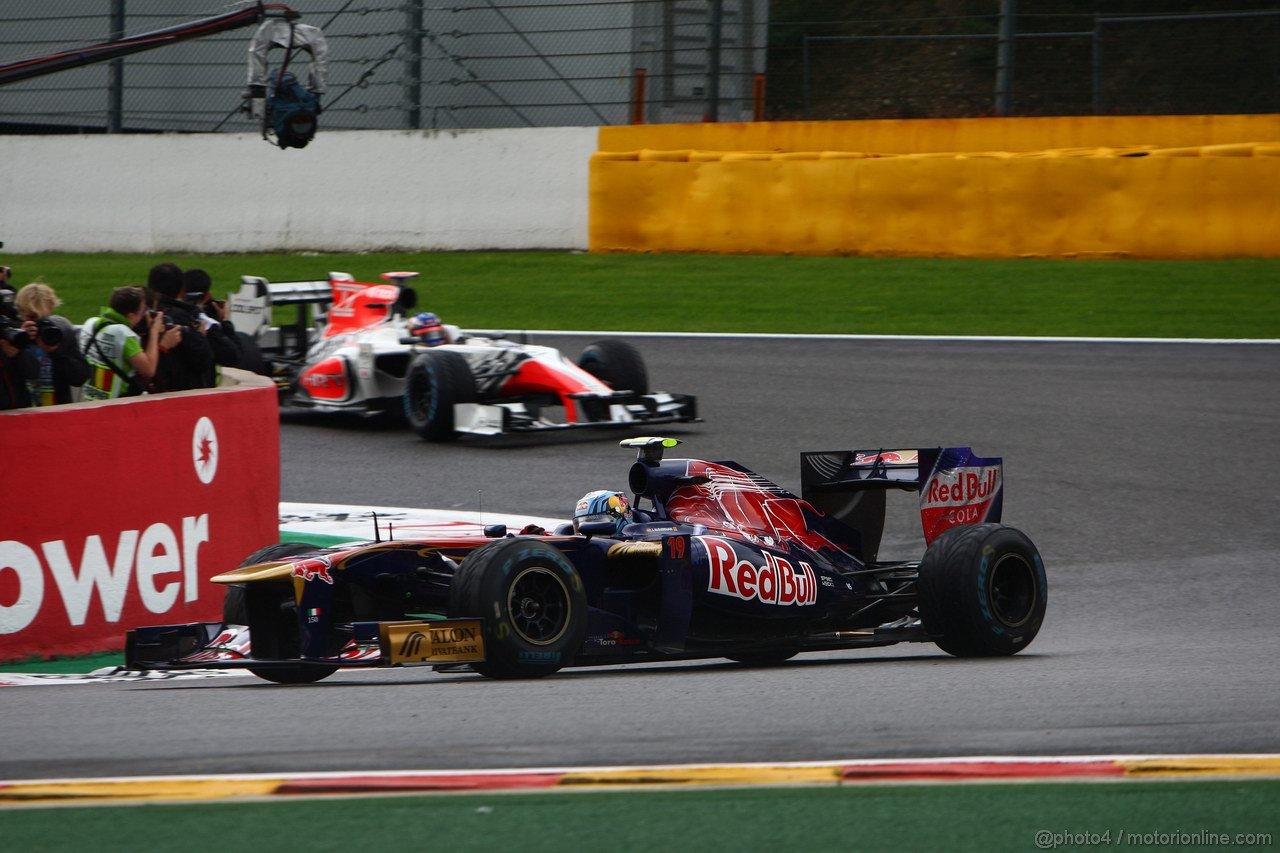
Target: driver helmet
x=603 y=505
x=427 y=328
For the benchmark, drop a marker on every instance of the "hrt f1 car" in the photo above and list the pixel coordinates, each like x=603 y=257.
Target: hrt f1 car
x=716 y=562
x=362 y=356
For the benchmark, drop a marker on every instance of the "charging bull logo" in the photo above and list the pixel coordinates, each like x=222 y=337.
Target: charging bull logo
x=764 y=578
x=316 y=567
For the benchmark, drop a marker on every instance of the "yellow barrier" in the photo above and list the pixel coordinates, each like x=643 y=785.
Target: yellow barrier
x=908 y=136
x=1219 y=200
x=1140 y=186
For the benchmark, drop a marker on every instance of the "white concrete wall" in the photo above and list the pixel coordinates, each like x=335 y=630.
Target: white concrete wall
x=346 y=191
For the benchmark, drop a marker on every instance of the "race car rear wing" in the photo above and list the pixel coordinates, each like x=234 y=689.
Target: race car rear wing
x=954 y=486
x=251 y=305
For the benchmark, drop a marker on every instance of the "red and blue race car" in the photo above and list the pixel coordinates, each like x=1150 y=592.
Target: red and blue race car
x=365 y=352
x=706 y=559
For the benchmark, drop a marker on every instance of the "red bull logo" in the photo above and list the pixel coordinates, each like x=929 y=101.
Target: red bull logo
x=773 y=580
x=316 y=567
x=958 y=496
x=961 y=486
x=887 y=457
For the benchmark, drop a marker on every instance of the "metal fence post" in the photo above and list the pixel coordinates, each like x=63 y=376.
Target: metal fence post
x=713 y=61
x=413 y=64
x=1004 y=56
x=115 y=73
x=1096 y=62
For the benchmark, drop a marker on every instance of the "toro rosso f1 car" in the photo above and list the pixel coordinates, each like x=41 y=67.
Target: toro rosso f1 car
x=714 y=561
x=365 y=355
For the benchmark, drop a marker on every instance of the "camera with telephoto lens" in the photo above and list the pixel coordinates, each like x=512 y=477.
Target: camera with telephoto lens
x=11 y=331
x=48 y=333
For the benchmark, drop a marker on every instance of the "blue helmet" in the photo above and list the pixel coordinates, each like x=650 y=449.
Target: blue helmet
x=603 y=505
x=427 y=328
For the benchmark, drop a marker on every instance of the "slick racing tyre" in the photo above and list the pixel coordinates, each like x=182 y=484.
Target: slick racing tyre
x=437 y=380
x=616 y=364
x=982 y=591
x=274 y=628
x=533 y=605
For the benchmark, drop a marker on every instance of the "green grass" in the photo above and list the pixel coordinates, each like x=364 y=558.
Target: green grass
x=75 y=665
x=717 y=293
x=908 y=817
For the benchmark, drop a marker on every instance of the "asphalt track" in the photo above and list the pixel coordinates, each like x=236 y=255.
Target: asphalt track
x=1146 y=474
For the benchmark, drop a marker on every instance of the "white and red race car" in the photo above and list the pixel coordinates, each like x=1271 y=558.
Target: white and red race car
x=362 y=352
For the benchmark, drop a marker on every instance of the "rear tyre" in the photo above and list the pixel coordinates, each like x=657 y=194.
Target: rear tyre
x=533 y=604
x=616 y=364
x=275 y=631
x=982 y=591
x=436 y=382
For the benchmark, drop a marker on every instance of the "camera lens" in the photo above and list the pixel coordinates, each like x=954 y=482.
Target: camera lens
x=48 y=332
x=13 y=335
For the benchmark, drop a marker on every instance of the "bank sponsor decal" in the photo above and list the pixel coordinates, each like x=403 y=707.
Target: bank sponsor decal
x=768 y=579
x=453 y=640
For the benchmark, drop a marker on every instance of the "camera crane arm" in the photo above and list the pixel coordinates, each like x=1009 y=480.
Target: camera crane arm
x=26 y=69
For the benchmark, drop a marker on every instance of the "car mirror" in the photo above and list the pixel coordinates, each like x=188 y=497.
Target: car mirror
x=495 y=531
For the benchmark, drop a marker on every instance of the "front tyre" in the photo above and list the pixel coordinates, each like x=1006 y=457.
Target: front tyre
x=436 y=382
x=617 y=364
x=273 y=627
x=533 y=605
x=982 y=591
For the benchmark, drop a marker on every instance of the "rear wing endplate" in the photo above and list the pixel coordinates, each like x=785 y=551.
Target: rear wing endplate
x=954 y=486
x=251 y=305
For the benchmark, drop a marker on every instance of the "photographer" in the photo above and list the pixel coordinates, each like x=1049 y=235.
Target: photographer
x=14 y=364
x=57 y=367
x=188 y=363
x=214 y=321
x=120 y=364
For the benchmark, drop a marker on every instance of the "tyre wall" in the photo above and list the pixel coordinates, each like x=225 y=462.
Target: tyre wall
x=119 y=512
x=1159 y=187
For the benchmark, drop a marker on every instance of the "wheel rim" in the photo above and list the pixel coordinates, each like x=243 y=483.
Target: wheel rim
x=1012 y=590
x=420 y=395
x=539 y=606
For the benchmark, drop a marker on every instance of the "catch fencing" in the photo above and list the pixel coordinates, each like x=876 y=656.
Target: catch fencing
x=408 y=64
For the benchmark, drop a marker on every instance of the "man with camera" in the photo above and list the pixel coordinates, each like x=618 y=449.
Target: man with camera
x=121 y=364
x=188 y=363
x=214 y=319
x=14 y=393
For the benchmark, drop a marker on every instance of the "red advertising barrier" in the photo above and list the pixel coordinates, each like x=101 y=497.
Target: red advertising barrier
x=118 y=512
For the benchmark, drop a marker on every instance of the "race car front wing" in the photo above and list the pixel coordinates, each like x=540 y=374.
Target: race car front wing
x=619 y=409
x=217 y=645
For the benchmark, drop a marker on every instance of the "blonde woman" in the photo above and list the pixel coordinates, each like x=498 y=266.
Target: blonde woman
x=56 y=367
